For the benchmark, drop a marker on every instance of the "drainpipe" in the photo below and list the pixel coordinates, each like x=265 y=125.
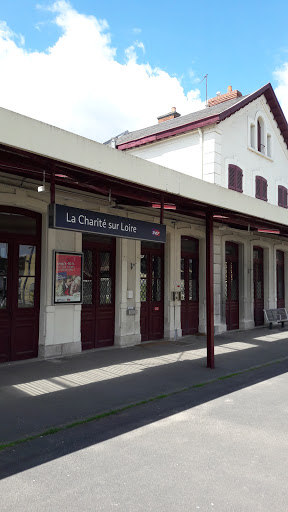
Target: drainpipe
x=52 y=184
x=162 y=209
x=201 y=149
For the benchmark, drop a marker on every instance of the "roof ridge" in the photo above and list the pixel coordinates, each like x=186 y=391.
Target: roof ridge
x=179 y=121
x=204 y=117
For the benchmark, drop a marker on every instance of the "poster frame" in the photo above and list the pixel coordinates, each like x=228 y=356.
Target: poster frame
x=54 y=297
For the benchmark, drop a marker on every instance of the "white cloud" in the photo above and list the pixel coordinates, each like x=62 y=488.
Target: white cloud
x=78 y=84
x=281 y=91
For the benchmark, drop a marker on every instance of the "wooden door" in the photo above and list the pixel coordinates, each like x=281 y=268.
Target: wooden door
x=232 y=285
x=152 y=291
x=98 y=309
x=258 y=280
x=5 y=302
x=19 y=285
x=280 y=279
x=189 y=285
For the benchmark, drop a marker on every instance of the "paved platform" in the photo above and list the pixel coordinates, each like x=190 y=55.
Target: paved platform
x=39 y=394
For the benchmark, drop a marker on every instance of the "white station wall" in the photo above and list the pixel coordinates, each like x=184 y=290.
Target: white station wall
x=207 y=153
x=236 y=150
x=181 y=153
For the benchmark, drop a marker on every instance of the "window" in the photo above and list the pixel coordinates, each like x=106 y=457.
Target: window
x=252 y=135
x=269 y=152
x=261 y=188
x=235 y=176
x=260 y=135
x=282 y=196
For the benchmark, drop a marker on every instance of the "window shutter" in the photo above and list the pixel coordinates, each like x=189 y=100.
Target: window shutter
x=239 y=180
x=258 y=187
x=285 y=197
x=232 y=177
x=261 y=188
x=280 y=196
x=235 y=178
x=264 y=189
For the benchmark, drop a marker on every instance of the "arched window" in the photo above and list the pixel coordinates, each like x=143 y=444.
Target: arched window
x=235 y=178
x=282 y=196
x=261 y=188
x=260 y=135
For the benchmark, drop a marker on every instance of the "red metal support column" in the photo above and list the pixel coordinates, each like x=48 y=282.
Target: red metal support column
x=209 y=290
x=52 y=185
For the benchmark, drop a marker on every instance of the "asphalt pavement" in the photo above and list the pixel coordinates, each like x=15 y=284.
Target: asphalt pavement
x=221 y=447
x=37 y=395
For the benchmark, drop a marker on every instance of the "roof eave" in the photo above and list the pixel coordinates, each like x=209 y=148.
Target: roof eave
x=169 y=133
x=269 y=94
x=273 y=103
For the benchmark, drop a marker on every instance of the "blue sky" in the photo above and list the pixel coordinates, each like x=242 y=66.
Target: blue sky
x=170 y=44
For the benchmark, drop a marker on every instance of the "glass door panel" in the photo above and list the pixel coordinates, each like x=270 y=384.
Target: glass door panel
x=182 y=283
x=151 y=291
x=3 y=274
x=189 y=285
x=280 y=275
x=87 y=277
x=97 y=325
x=232 y=285
x=156 y=279
x=258 y=278
x=105 y=288
x=26 y=275
x=143 y=278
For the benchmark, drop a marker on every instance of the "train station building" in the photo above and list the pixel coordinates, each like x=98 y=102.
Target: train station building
x=177 y=229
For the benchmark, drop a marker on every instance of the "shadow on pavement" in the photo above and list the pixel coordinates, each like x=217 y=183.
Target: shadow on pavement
x=42 y=450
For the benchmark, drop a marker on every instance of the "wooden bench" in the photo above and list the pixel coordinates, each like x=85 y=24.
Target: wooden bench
x=275 y=316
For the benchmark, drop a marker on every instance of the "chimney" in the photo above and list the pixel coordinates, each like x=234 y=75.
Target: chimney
x=171 y=115
x=220 y=98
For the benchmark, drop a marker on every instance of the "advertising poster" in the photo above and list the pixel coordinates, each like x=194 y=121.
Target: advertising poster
x=68 y=278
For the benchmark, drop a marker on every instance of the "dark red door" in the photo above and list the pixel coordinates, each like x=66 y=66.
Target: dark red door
x=232 y=286
x=152 y=291
x=19 y=285
x=189 y=285
x=98 y=309
x=280 y=279
x=258 y=279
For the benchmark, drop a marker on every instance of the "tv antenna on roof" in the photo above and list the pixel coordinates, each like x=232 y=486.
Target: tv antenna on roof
x=205 y=78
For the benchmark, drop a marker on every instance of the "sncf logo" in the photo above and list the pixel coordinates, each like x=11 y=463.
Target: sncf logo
x=155 y=232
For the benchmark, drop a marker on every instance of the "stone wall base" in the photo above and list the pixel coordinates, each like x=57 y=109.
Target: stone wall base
x=170 y=335
x=64 y=349
x=127 y=341
x=219 y=328
x=246 y=324
x=202 y=328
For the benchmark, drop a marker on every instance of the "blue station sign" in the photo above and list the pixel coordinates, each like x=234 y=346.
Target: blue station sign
x=86 y=221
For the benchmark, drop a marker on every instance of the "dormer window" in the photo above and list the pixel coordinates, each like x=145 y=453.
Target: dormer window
x=235 y=178
x=282 y=196
x=261 y=188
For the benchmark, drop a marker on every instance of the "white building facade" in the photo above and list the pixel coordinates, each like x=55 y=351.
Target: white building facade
x=137 y=289
x=235 y=138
